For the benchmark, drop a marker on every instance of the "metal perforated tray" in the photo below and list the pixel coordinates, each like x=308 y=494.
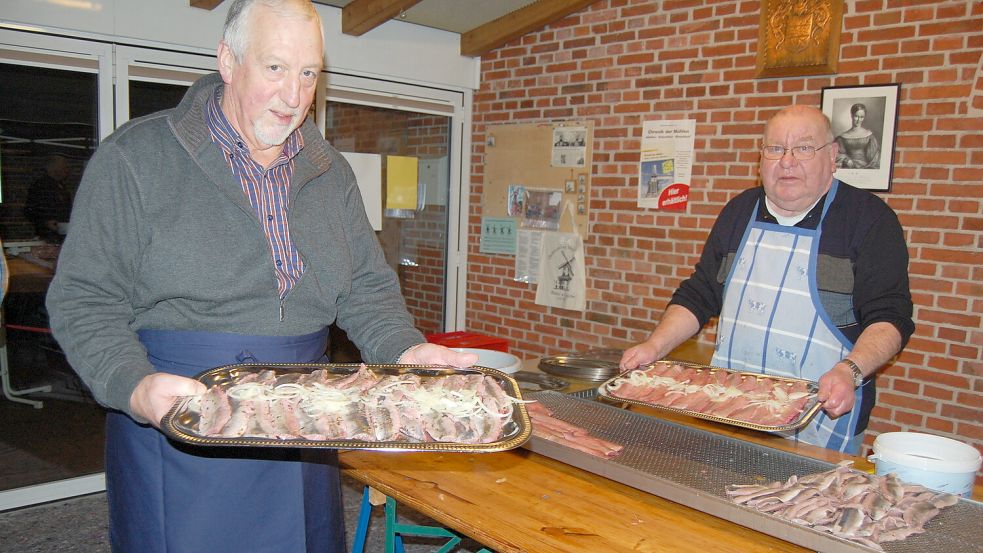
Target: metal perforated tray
x=693 y=467
x=808 y=411
x=181 y=423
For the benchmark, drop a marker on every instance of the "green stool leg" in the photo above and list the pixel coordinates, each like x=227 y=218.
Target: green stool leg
x=394 y=528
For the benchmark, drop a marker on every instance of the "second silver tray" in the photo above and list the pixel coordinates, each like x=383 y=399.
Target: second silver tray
x=811 y=407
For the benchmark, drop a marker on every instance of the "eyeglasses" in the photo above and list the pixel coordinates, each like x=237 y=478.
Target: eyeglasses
x=800 y=153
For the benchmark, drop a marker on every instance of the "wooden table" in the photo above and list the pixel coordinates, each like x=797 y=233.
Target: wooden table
x=522 y=501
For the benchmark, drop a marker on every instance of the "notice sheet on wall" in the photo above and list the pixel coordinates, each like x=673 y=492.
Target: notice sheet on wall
x=401 y=182
x=666 y=163
x=497 y=235
x=368 y=175
x=569 y=147
x=527 y=250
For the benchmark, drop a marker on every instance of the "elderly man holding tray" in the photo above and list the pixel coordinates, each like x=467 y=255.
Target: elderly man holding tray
x=809 y=278
x=224 y=231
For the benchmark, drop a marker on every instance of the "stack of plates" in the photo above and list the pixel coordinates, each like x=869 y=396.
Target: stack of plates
x=583 y=368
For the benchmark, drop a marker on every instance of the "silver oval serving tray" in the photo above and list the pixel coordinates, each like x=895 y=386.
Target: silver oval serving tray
x=806 y=414
x=181 y=423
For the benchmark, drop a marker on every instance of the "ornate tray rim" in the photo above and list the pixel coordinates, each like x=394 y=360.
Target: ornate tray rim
x=171 y=426
x=804 y=417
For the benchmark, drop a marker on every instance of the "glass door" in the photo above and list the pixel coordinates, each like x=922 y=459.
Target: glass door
x=415 y=132
x=53 y=112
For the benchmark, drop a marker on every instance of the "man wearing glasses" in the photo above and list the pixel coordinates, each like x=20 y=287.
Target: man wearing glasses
x=809 y=278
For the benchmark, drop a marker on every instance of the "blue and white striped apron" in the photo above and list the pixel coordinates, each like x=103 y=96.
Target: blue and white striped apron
x=166 y=497
x=773 y=321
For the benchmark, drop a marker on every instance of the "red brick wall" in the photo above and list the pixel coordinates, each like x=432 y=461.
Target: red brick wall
x=620 y=62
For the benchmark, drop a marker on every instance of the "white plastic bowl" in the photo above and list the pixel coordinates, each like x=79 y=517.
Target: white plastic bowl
x=492 y=359
x=935 y=462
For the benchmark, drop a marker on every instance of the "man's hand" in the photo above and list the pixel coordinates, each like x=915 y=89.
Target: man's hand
x=678 y=324
x=435 y=354
x=876 y=345
x=836 y=391
x=155 y=395
x=639 y=354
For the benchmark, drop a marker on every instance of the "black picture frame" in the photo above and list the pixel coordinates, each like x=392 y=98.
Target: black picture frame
x=864 y=121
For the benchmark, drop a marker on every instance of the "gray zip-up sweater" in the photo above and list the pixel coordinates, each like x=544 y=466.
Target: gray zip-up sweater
x=163 y=237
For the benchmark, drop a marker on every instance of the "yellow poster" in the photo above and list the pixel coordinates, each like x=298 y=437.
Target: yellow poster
x=401 y=179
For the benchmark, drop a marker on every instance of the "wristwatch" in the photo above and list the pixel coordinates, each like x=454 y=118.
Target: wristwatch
x=858 y=375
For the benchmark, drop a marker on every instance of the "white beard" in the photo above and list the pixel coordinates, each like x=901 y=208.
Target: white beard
x=273 y=136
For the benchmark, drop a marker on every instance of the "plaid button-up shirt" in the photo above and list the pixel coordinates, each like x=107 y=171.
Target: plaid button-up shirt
x=268 y=190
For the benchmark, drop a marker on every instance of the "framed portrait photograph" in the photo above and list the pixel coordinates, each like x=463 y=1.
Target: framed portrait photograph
x=865 y=122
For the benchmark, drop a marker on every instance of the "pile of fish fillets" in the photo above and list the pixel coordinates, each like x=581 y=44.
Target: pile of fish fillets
x=470 y=408
x=727 y=394
x=548 y=427
x=865 y=508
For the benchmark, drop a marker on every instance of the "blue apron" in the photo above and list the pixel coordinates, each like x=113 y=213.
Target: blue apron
x=166 y=497
x=773 y=319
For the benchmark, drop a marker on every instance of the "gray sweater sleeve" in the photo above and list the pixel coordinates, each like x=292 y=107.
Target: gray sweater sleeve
x=89 y=299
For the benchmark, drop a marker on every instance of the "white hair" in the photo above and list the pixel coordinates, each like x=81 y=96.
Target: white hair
x=236 y=33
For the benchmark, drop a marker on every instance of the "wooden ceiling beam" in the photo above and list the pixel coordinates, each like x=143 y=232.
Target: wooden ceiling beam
x=361 y=16
x=205 y=4
x=510 y=26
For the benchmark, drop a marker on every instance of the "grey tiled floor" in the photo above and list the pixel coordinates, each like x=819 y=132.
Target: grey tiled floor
x=79 y=525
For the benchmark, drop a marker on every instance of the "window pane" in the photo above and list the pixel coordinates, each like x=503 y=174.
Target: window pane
x=148 y=97
x=48 y=121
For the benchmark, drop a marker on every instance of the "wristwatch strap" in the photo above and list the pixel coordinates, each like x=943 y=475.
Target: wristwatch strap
x=858 y=375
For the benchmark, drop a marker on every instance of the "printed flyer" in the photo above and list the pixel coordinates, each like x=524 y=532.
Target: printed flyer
x=666 y=163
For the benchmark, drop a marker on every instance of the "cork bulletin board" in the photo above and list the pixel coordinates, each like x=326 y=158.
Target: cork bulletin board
x=542 y=157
